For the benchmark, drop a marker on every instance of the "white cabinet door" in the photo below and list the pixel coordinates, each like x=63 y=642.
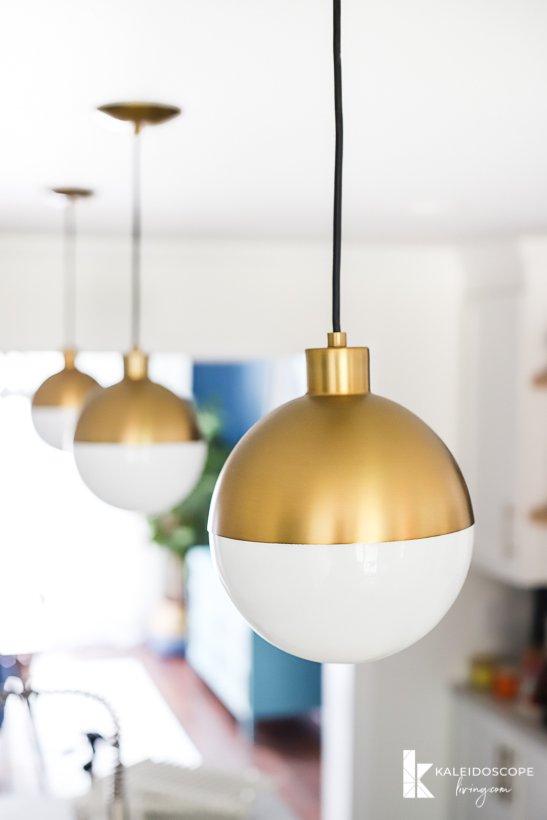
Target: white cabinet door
x=536 y=786
x=490 y=426
x=505 y=427
x=486 y=741
x=531 y=433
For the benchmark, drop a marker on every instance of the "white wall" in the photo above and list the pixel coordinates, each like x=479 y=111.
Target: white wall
x=232 y=299
x=215 y=298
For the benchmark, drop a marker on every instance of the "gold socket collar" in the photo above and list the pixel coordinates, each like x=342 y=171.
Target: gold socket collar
x=338 y=370
x=70 y=358
x=135 y=365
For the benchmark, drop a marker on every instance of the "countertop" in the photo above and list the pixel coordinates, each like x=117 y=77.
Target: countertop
x=526 y=718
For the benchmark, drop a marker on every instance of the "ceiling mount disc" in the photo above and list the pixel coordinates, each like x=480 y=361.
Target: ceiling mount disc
x=73 y=193
x=140 y=113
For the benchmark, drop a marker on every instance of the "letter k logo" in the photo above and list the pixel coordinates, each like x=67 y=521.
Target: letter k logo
x=412 y=776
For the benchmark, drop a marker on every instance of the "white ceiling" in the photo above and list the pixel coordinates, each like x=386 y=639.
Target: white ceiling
x=446 y=115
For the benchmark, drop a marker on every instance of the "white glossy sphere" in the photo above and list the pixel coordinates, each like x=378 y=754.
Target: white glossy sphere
x=56 y=425
x=344 y=603
x=148 y=478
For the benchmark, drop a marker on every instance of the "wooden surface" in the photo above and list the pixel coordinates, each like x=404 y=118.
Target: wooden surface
x=287 y=750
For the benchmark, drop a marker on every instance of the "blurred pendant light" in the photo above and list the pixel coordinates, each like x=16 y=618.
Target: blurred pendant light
x=137 y=444
x=341 y=525
x=58 y=401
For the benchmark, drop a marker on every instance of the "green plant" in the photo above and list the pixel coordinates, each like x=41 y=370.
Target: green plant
x=185 y=526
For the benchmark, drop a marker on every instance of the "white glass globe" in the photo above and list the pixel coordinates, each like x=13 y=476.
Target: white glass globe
x=344 y=603
x=149 y=478
x=56 y=425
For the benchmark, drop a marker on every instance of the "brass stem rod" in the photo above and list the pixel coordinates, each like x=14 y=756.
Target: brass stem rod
x=70 y=273
x=136 y=241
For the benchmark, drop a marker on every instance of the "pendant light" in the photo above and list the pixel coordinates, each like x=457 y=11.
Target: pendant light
x=57 y=403
x=137 y=445
x=341 y=526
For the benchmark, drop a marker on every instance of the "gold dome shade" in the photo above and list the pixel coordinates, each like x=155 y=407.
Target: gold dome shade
x=137 y=411
x=67 y=388
x=140 y=113
x=339 y=467
x=540 y=379
x=73 y=193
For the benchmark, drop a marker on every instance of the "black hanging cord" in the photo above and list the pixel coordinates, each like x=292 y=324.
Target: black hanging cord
x=339 y=154
x=70 y=271
x=136 y=244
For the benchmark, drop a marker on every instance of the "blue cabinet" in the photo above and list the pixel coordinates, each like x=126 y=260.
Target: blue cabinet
x=250 y=676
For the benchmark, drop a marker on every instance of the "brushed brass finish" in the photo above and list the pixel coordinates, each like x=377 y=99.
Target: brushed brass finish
x=339 y=468
x=67 y=388
x=338 y=371
x=135 y=364
x=539 y=515
x=73 y=193
x=137 y=411
x=540 y=380
x=337 y=339
x=141 y=113
x=69 y=354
